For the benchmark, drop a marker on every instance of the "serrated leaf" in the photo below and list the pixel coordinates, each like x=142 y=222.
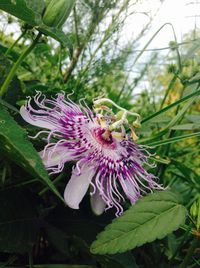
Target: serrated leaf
x=18 y=227
x=26 y=10
x=152 y=217
x=14 y=143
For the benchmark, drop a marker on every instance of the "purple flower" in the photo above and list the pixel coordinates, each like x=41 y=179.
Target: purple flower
x=108 y=161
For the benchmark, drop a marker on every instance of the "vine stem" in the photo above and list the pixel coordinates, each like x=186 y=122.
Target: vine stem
x=190 y=252
x=14 y=44
x=12 y=72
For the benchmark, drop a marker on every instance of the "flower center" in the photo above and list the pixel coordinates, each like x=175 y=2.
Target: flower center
x=104 y=137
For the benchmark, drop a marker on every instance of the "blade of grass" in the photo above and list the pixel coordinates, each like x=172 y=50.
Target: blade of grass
x=171 y=106
x=174 y=139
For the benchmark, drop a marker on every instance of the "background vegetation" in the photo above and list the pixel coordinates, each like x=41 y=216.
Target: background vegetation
x=91 y=56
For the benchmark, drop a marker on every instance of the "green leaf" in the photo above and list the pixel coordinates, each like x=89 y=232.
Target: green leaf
x=189 y=174
x=152 y=217
x=26 y=10
x=124 y=260
x=196 y=93
x=13 y=56
x=5 y=66
x=14 y=143
x=31 y=12
x=193 y=118
x=186 y=127
x=18 y=221
x=55 y=33
x=175 y=139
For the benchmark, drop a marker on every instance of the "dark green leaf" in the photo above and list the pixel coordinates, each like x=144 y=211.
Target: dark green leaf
x=152 y=217
x=57 y=238
x=18 y=221
x=26 y=10
x=74 y=223
x=13 y=56
x=124 y=260
x=13 y=141
x=31 y=12
x=61 y=266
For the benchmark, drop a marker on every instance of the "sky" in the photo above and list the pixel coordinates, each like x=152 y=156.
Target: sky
x=180 y=13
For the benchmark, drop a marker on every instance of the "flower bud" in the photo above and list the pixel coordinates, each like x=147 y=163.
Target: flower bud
x=57 y=12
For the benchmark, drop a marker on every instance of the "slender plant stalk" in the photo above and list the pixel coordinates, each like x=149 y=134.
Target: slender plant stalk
x=171 y=84
x=30 y=257
x=15 y=66
x=106 y=36
x=11 y=260
x=144 y=48
x=77 y=52
x=15 y=43
x=76 y=26
x=190 y=253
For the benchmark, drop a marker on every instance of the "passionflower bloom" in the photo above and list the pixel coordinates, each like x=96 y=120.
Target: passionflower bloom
x=108 y=162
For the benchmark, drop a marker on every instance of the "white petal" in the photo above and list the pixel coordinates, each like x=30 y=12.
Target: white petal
x=78 y=186
x=59 y=154
x=97 y=203
x=130 y=191
x=37 y=122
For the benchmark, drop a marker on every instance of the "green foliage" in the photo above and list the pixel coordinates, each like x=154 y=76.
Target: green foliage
x=31 y=13
x=57 y=12
x=19 y=223
x=88 y=57
x=14 y=143
x=26 y=10
x=152 y=217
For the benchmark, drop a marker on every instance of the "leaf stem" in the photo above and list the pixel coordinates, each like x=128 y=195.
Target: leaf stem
x=15 y=66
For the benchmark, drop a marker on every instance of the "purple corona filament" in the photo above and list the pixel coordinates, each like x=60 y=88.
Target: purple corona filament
x=107 y=164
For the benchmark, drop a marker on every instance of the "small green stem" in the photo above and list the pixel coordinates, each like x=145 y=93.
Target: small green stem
x=190 y=253
x=14 y=44
x=17 y=64
x=30 y=257
x=171 y=84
